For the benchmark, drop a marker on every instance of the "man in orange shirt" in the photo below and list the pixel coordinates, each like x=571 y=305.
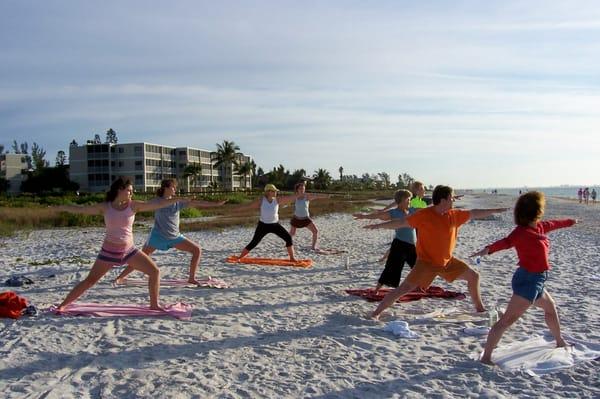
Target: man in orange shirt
x=438 y=228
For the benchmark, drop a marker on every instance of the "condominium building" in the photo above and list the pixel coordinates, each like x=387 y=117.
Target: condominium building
x=95 y=166
x=13 y=168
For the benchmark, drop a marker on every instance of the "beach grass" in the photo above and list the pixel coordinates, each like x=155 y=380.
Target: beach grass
x=28 y=213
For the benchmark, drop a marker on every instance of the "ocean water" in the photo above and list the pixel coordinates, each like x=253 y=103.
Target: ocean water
x=559 y=191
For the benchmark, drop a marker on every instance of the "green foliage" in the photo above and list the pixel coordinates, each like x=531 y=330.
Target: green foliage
x=190 y=213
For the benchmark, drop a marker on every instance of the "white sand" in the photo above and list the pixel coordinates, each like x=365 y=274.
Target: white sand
x=282 y=332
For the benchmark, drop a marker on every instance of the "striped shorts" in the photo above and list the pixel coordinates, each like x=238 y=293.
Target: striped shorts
x=117 y=258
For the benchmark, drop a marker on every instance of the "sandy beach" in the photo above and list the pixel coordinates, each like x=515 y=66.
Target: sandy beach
x=283 y=332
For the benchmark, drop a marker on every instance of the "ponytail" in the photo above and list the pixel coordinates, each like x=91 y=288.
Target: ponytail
x=166 y=183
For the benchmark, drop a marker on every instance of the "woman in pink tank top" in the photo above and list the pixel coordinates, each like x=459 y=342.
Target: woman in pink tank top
x=118 y=248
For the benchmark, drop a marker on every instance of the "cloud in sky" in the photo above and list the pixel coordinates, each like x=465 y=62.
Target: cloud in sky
x=463 y=93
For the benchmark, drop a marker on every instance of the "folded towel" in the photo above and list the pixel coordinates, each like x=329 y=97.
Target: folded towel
x=400 y=328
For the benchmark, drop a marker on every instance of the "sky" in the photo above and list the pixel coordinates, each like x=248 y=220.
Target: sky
x=470 y=94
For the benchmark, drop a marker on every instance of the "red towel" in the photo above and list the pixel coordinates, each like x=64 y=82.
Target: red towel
x=432 y=292
x=11 y=305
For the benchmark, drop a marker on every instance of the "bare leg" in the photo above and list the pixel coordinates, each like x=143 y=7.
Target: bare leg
x=391 y=297
x=143 y=263
x=122 y=277
x=515 y=309
x=293 y=231
x=98 y=270
x=315 y=234
x=547 y=303
x=244 y=253
x=472 y=279
x=290 y=251
x=193 y=248
x=377 y=287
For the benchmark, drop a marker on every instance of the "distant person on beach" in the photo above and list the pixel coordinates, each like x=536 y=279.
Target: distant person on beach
x=118 y=247
x=301 y=216
x=268 y=204
x=418 y=201
x=437 y=228
x=417 y=189
x=580 y=194
x=586 y=195
x=403 y=248
x=531 y=243
x=593 y=194
x=165 y=233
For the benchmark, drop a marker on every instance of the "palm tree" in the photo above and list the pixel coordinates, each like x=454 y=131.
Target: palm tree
x=341 y=169
x=244 y=169
x=225 y=156
x=194 y=171
x=321 y=179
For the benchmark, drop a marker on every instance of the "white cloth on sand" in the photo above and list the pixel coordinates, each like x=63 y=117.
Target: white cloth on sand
x=539 y=355
x=400 y=328
x=476 y=331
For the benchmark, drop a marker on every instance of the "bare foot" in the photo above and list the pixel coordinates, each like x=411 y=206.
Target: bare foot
x=156 y=307
x=293 y=259
x=120 y=281
x=373 y=316
x=487 y=361
x=192 y=280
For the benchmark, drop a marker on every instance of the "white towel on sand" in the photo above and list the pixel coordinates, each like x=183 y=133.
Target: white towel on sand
x=400 y=328
x=539 y=355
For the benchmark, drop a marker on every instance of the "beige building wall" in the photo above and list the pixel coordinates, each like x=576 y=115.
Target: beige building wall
x=13 y=168
x=95 y=166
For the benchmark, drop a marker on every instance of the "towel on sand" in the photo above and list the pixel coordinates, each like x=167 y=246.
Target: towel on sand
x=432 y=292
x=12 y=305
x=178 y=310
x=400 y=328
x=539 y=355
x=270 y=262
x=206 y=282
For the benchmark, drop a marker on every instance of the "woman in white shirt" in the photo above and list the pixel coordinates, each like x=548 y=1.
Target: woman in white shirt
x=301 y=216
x=269 y=220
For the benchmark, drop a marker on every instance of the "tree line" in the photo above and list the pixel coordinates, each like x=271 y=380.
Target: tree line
x=43 y=178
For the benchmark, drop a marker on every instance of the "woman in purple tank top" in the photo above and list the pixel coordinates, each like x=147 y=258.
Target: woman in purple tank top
x=118 y=248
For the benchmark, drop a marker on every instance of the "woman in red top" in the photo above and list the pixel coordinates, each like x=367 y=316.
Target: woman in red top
x=531 y=243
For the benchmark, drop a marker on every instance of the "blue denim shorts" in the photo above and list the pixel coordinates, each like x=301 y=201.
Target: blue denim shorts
x=528 y=285
x=162 y=244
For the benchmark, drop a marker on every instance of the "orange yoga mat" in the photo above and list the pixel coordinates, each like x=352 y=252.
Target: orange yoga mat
x=270 y=262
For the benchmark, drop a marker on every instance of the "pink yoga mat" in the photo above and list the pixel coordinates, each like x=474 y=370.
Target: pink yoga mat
x=178 y=310
x=209 y=282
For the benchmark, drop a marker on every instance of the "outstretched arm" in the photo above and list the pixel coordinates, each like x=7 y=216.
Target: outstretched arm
x=96 y=209
x=483 y=213
x=251 y=205
x=390 y=206
x=316 y=196
x=206 y=204
x=382 y=215
x=286 y=199
x=393 y=224
x=142 y=206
